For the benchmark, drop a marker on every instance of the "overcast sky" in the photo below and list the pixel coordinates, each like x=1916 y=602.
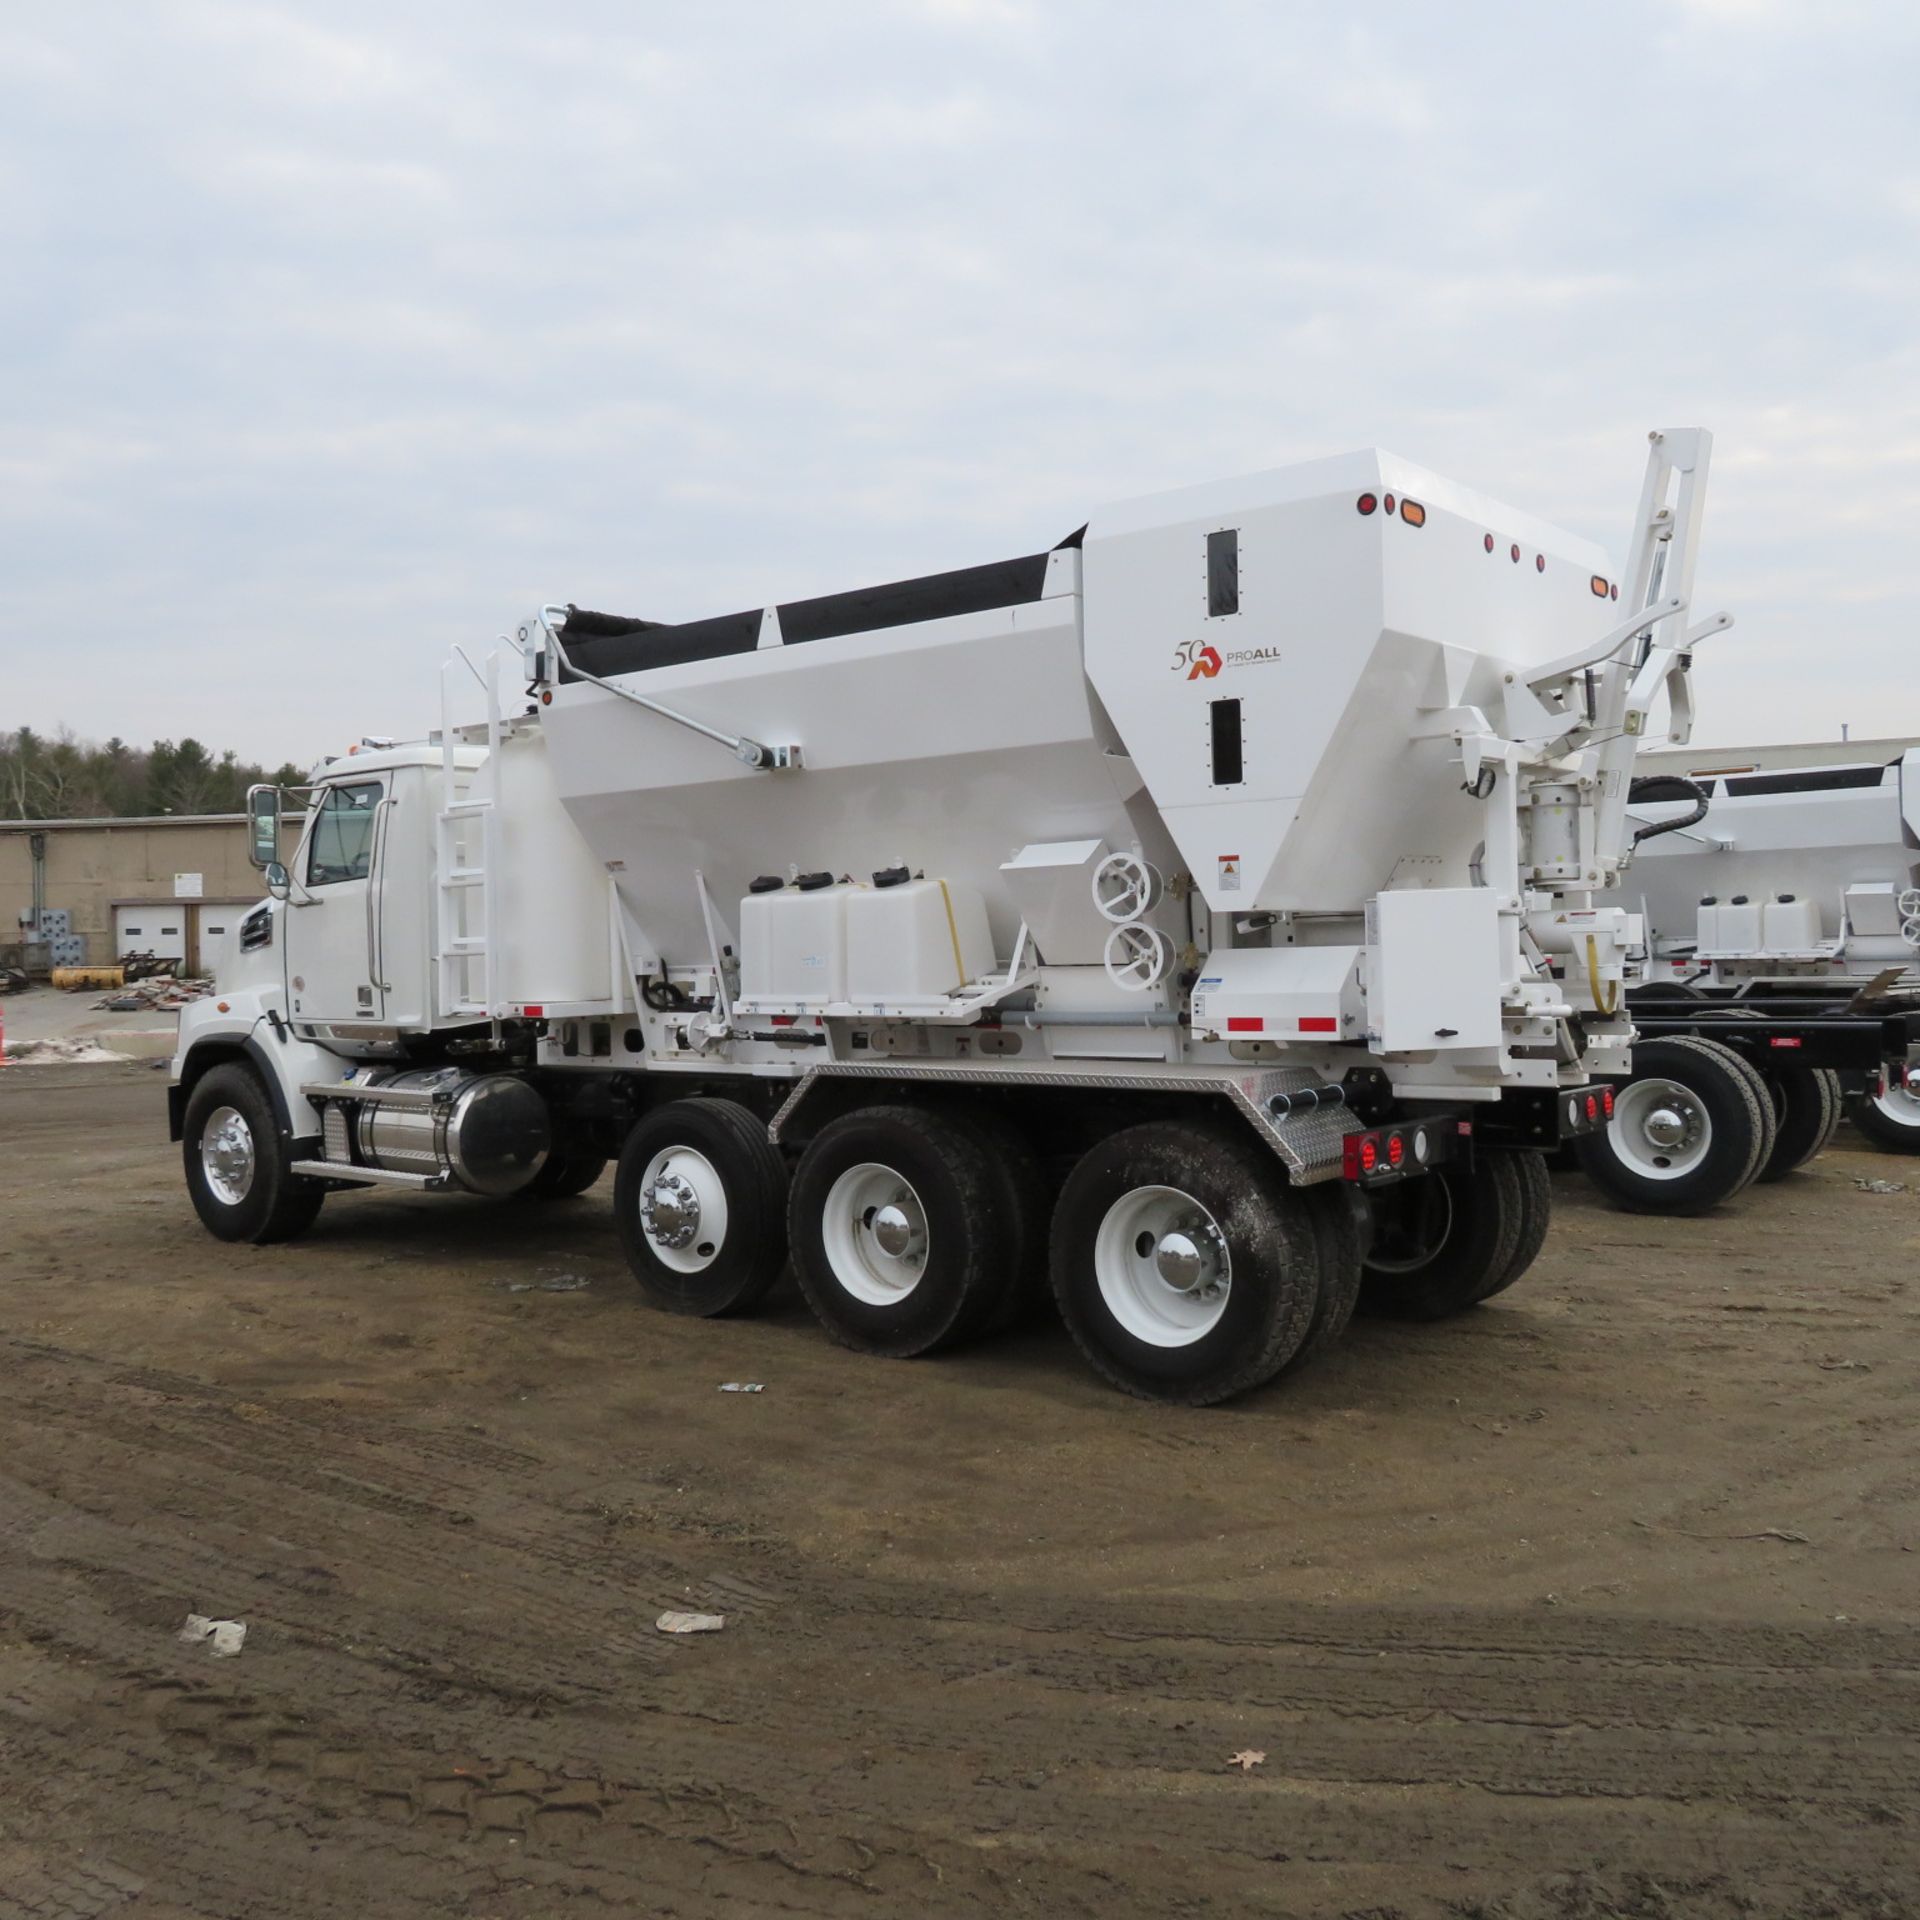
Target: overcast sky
x=331 y=334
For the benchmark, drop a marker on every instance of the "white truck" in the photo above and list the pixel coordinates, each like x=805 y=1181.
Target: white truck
x=1162 y=920
x=1782 y=915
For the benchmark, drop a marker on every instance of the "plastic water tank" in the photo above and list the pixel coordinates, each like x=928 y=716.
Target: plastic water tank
x=915 y=943
x=793 y=949
x=1789 y=924
x=1739 y=925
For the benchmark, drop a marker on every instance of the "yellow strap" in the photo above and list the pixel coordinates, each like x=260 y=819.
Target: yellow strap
x=953 y=929
x=1593 y=980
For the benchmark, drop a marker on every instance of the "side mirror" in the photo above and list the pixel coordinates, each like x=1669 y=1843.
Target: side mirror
x=278 y=884
x=263 y=826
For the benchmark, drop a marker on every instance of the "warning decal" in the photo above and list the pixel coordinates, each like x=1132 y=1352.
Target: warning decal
x=1229 y=873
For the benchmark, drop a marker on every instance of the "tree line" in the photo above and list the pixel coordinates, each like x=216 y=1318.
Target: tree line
x=62 y=777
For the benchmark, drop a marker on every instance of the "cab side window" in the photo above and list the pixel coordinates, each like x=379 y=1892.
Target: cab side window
x=341 y=847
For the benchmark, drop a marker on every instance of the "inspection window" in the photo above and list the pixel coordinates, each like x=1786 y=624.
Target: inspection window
x=1223 y=572
x=1223 y=722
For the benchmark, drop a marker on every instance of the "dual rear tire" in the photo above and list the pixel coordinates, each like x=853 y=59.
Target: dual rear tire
x=1183 y=1265
x=1695 y=1124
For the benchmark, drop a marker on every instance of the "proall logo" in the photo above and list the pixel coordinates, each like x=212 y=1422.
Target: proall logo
x=1198 y=661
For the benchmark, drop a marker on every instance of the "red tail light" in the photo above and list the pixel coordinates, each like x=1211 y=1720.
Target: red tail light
x=1366 y=503
x=1396 y=1150
x=1593 y=1106
x=1606 y=1101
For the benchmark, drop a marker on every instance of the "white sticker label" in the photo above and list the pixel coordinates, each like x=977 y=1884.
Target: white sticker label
x=1229 y=873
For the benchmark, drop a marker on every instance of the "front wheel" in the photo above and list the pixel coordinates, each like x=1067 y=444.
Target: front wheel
x=1185 y=1268
x=236 y=1162
x=700 y=1202
x=1691 y=1126
x=1890 y=1118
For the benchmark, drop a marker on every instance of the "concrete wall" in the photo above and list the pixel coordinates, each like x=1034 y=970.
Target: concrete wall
x=94 y=864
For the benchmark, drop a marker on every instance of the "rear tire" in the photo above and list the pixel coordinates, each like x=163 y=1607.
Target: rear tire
x=236 y=1162
x=700 y=1203
x=1536 y=1216
x=1890 y=1119
x=1806 y=1108
x=1692 y=1125
x=1341 y=1231
x=1184 y=1266
x=1447 y=1240
x=908 y=1229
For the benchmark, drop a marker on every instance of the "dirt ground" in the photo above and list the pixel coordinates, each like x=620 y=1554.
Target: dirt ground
x=1599 y=1602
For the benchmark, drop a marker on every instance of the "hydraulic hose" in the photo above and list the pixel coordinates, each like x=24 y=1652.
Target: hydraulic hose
x=1654 y=828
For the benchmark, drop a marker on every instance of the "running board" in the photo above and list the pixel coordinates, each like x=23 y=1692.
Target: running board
x=369 y=1176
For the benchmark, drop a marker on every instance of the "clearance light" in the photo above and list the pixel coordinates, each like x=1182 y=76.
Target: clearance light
x=1389 y=503
x=1613 y=593
x=1488 y=543
x=1539 y=563
x=1513 y=553
x=1599 y=587
x=1366 y=503
x=546 y=697
x=1413 y=513
x=1786 y=1040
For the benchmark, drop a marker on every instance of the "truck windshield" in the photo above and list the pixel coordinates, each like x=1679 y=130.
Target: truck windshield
x=342 y=844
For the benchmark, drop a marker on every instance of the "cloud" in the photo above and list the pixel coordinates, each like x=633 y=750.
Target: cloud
x=335 y=333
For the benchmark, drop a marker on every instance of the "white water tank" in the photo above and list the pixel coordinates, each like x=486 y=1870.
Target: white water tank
x=1789 y=924
x=915 y=943
x=793 y=949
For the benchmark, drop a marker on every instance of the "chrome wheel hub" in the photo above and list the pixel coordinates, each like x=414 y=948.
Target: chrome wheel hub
x=1162 y=1265
x=874 y=1234
x=670 y=1211
x=226 y=1155
x=1660 y=1129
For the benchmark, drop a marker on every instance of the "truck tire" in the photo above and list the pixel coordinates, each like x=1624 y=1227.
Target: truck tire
x=1446 y=1241
x=1806 y=1104
x=1184 y=1266
x=1023 y=1295
x=236 y=1162
x=700 y=1203
x=1536 y=1216
x=565 y=1172
x=1691 y=1126
x=905 y=1228
x=1889 y=1118
x=1341 y=1231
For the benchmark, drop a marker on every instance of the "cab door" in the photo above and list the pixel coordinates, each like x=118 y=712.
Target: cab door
x=333 y=909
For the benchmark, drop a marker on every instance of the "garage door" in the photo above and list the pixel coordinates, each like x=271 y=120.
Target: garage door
x=159 y=928
x=212 y=922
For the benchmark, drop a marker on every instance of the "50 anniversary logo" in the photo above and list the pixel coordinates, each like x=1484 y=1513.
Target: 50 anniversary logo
x=1198 y=661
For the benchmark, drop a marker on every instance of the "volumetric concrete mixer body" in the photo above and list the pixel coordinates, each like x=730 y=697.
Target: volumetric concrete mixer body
x=1207 y=913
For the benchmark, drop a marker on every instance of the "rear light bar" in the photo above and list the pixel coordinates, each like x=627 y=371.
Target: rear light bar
x=1586 y=1109
x=1379 y=1154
